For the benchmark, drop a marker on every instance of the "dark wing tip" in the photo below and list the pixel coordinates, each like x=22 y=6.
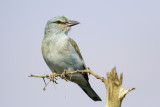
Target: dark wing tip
x=96 y=98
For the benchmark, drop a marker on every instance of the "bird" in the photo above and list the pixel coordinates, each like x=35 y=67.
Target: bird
x=61 y=52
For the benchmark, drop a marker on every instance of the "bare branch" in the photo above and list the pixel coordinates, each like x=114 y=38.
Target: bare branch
x=46 y=85
x=113 y=84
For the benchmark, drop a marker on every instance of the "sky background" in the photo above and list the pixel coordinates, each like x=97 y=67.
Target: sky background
x=121 y=33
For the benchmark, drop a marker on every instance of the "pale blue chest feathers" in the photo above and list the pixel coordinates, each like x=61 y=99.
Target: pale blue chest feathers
x=59 y=54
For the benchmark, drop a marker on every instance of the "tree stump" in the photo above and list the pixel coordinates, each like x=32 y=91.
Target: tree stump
x=115 y=91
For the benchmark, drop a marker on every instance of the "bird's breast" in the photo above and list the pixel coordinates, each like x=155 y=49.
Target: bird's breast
x=59 y=55
x=54 y=50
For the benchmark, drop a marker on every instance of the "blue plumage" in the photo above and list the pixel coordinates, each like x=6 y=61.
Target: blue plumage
x=62 y=53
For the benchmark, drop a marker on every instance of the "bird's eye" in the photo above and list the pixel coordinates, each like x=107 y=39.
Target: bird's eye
x=59 y=22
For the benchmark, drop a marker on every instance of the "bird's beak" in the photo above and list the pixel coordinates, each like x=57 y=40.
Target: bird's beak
x=72 y=23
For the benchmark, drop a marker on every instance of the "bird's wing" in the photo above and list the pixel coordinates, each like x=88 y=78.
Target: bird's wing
x=73 y=43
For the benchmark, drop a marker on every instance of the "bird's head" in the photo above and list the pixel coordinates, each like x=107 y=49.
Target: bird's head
x=59 y=24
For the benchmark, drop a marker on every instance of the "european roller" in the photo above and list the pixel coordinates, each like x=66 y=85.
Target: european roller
x=62 y=53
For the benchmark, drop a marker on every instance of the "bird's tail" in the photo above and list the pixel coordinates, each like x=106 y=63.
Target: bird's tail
x=90 y=92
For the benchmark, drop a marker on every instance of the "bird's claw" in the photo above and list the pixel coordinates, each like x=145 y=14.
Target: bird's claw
x=64 y=74
x=52 y=77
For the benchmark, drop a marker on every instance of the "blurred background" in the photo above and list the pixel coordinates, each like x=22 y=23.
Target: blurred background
x=119 y=33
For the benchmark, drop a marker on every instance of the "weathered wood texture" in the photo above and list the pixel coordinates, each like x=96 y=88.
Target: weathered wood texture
x=115 y=91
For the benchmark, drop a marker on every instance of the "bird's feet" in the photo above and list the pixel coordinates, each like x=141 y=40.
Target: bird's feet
x=65 y=74
x=52 y=77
